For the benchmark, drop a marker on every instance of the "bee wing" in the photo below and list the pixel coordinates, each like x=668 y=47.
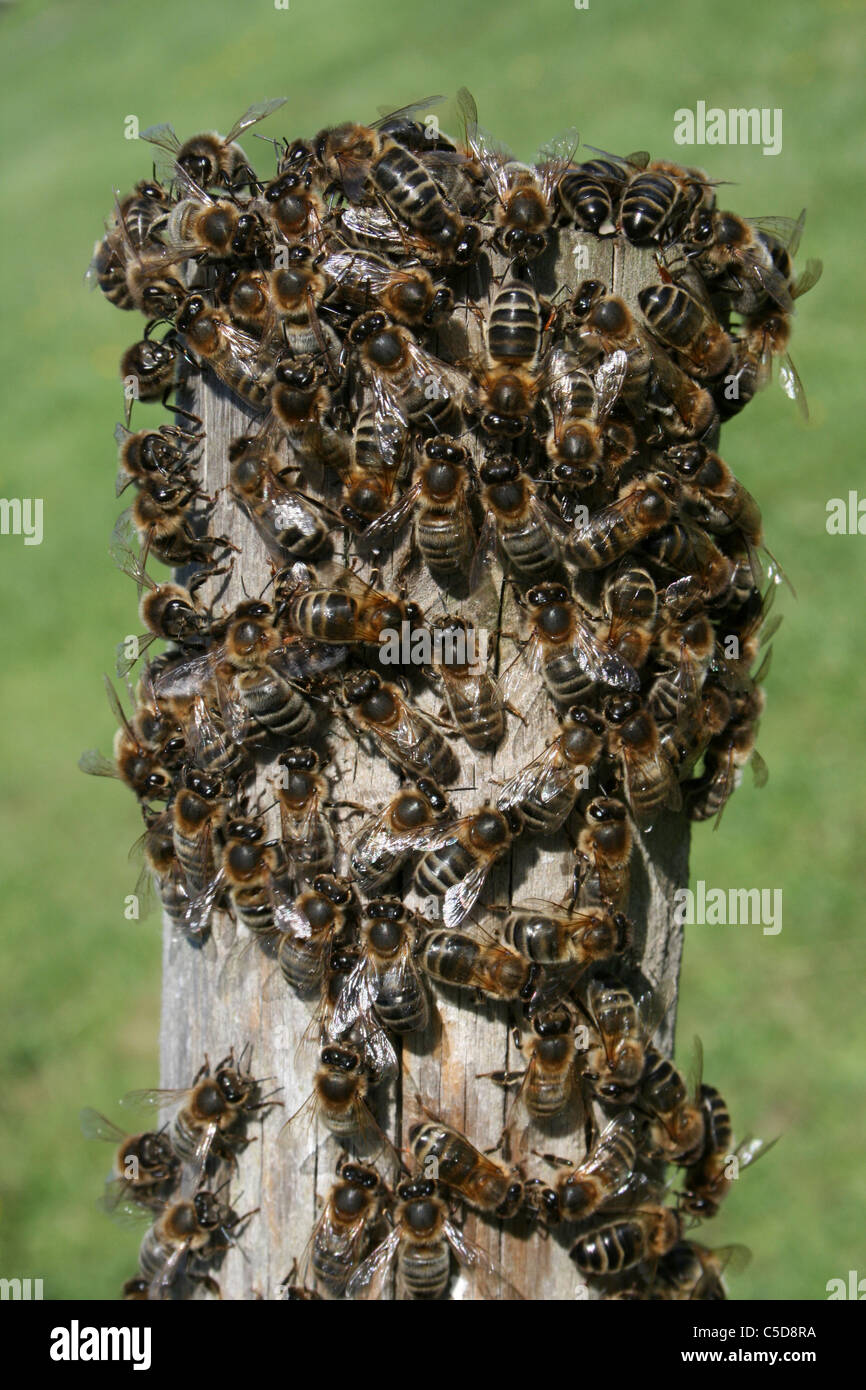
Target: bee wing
x=380 y=1059
x=491 y=1281
x=599 y=660
x=537 y=779
x=787 y=230
x=253 y=115
x=96 y=1126
x=159 y=1099
x=461 y=897
x=369 y=1278
x=168 y=1272
x=485 y=549
x=95 y=764
x=198 y=911
x=439 y=379
x=555 y=156
x=808 y=278
x=411 y=110
x=164 y=136
x=392 y=520
x=645 y=770
x=185 y=678
x=750 y=1150
x=410 y=730
x=609 y=380
x=355 y=998
x=789 y=380
x=759 y=769
x=366 y=274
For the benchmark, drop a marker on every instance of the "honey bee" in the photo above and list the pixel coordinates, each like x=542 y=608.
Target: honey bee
x=338 y=1099
x=567 y=650
x=341 y=1236
x=356 y=157
x=706 y=572
x=524 y=528
x=735 y=258
x=547 y=935
x=162 y=515
x=302 y=792
x=402 y=827
x=421 y=1243
x=677 y=1128
x=210 y=159
x=407 y=295
x=151 y=365
x=476 y=1178
x=292 y=204
x=508 y=381
x=692 y=1271
x=633 y=738
x=301 y=404
x=644 y=506
x=708 y=1178
x=461 y=857
x=630 y=604
x=235 y=357
x=284 y=519
x=215 y=229
x=318 y=916
x=702 y=346
x=255 y=875
x=603 y=325
x=385 y=979
x=166 y=874
x=169 y=612
x=724 y=760
x=474 y=698
x=137 y=224
x=524 y=195
x=350 y=612
x=580 y=404
x=198 y=811
x=402 y=733
x=604 y=849
x=582 y=1189
x=138 y=766
x=145 y=1166
x=545 y=790
x=621 y=1028
x=457 y=959
x=439 y=501
x=763 y=338
x=660 y=197
x=210 y=1116
x=409 y=384
x=136 y=272
x=549 y=1086
x=617 y=1243
x=185 y=1239
x=710 y=484
x=164 y=453
x=686 y=649
x=589 y=194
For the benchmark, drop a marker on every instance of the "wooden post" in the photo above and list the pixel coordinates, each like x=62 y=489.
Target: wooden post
x=466 y=1038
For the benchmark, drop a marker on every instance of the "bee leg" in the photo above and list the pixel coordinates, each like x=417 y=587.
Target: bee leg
x=502 y=1078
x=516 y=712
x=553 y=1160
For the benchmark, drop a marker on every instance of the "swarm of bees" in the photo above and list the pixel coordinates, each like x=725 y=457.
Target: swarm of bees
x=434 y=386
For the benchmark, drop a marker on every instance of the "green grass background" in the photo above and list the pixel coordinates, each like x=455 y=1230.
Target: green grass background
x=780 y=1017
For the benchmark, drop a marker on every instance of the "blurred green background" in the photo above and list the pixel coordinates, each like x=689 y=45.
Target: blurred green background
x=780 y=1016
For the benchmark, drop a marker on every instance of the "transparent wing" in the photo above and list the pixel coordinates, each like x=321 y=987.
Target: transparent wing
x=599 y=660
x=253 y=115
x=96 y=1126
x=369 y=1278
x=164 y=136
x=95 y=764
x=489 y=1277
x=609 y=380
x=461 y=897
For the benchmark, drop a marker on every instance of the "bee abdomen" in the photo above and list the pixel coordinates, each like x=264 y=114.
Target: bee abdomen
x=425 y=1269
